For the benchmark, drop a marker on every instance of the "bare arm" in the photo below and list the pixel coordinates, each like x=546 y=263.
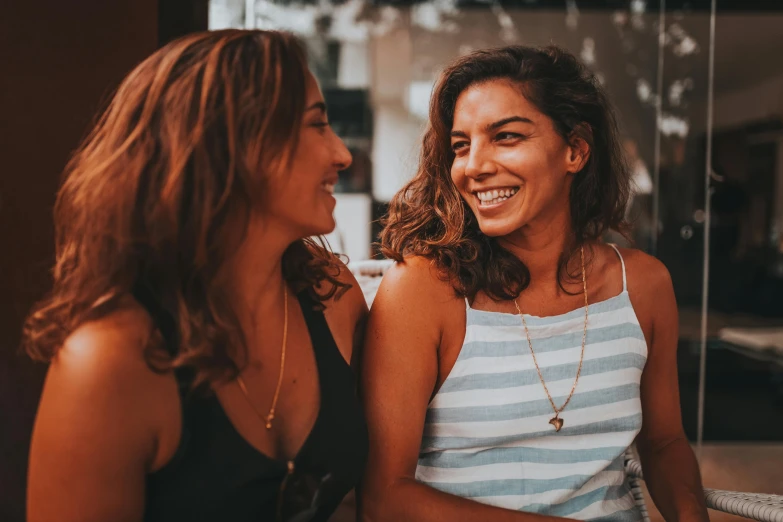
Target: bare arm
x=96 y=431
x=670 y=467
x=399 y=374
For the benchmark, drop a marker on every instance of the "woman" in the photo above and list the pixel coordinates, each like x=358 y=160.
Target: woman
x=510 y=355
x=199 y=343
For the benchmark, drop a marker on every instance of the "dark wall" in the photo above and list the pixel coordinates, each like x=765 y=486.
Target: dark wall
x=58 y=61
x=178 y=17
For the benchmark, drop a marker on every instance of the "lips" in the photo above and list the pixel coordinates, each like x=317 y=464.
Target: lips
x=328 y=183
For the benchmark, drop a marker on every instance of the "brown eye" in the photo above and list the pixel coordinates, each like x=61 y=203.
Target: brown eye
x=504 y=136
x=458 y=146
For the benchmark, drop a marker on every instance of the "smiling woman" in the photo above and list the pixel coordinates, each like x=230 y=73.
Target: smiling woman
x=505 y=189
x=200 y=341
x=511 y=356
x=522 y=95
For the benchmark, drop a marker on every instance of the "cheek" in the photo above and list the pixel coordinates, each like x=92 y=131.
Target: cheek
x=305 y=172
x=457 y=174
x=522 y=160
x=536 y=167
x=290 y=194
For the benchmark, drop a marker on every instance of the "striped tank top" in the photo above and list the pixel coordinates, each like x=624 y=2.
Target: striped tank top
x=487 y=435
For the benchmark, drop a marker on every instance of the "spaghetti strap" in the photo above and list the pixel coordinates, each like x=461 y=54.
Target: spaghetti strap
x=622 y=261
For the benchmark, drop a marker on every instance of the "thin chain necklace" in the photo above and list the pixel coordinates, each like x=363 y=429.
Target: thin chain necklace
x=269 y=417
x=556 y=421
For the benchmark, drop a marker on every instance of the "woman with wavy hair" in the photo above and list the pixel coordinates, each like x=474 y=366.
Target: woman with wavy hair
x=511 y=356
x=200 y=343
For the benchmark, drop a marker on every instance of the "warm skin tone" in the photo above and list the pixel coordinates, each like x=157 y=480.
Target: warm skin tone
x=106 y=420
x=417 y=324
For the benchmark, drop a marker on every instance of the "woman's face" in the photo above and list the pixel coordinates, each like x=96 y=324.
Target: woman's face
x=511 y=166
x=300 y=200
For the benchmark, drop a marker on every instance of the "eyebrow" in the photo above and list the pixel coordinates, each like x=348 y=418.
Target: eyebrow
x=317 y=106
x=495 y=125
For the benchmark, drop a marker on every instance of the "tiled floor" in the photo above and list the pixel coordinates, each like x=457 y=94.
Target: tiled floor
x=753 y=467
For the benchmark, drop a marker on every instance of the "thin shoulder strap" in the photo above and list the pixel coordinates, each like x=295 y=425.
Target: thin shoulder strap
x=622 y=261
x=324 y=345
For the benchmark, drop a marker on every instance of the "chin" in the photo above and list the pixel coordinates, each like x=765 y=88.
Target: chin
x=497 y=231
x=498 y=228
x=321 y=227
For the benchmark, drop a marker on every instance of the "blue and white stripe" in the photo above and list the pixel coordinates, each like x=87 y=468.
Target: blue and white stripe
x=487 y=436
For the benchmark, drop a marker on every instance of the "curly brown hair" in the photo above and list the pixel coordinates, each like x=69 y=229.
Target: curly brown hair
x=155 y=195
x=429 y=218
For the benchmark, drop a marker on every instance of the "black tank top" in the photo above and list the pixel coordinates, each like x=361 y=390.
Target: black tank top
x=216 y=475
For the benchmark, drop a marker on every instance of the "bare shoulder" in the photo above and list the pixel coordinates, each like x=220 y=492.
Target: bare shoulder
x=651 y=292
x=100 y=375
x=111 y=348
x=352 y=298
x=415 y=293
x=104 y=417
x=347 y=302
x=418 y=277
x=647 y=275
x=118 y=337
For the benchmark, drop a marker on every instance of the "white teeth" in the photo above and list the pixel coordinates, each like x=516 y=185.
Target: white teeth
x=328 y=187
x=495 y=200
x=490 y=197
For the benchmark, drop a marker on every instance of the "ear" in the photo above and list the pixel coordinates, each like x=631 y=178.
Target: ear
x=578 y=150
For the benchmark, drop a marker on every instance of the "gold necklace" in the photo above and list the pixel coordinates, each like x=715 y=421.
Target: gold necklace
x=241 y=382
x=556 y=421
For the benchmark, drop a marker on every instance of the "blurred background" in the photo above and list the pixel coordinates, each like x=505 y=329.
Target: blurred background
x=679 y=88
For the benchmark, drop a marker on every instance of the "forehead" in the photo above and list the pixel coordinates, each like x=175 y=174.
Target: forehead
x=312 y=90
x=490 y=101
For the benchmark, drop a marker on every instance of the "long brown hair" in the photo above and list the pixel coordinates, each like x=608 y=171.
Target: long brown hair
x=429 y=218
x=155 y=195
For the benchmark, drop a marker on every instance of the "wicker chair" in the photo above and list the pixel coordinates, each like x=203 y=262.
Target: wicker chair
x=754 y=506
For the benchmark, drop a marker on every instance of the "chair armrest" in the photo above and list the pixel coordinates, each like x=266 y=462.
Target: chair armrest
x=755 y=506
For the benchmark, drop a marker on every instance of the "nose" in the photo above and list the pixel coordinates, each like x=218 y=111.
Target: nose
x=480 y=163
x=342 y=156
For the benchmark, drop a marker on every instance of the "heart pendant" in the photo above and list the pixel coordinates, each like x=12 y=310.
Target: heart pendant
x=557 y=422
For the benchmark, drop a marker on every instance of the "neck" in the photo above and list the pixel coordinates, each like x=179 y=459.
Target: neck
x=254 y=274
x=539 y=245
